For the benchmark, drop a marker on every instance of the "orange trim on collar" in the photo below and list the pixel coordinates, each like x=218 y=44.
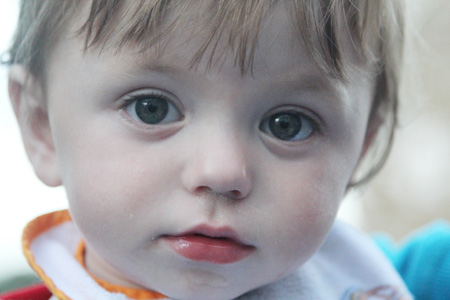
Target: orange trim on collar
x=132 y=293
x=31 y=231
x=46 y=222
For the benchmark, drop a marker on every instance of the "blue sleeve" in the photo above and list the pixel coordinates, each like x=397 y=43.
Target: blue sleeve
x=423 y=261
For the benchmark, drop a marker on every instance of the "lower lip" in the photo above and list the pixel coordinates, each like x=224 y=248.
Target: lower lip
x=207 y=249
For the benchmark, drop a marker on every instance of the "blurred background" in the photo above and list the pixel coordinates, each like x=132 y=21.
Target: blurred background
x=412 y=190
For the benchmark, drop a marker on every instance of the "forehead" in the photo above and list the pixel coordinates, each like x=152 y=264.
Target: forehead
x=219 y=31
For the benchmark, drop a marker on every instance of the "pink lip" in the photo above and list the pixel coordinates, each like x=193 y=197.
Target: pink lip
x=208 y=244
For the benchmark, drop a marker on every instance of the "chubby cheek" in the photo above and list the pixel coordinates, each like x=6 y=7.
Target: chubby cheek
x=307 y=199
x=97 y=198
x=107 y=185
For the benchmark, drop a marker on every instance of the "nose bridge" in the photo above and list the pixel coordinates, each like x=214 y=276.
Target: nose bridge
x=225 y=152
x=220 y=161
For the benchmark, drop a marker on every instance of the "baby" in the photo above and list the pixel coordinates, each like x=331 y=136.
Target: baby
x=205 y=146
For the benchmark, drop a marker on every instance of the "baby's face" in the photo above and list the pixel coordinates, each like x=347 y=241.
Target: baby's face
x=203 y=184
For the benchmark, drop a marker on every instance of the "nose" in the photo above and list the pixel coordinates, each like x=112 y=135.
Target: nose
x=218 y=165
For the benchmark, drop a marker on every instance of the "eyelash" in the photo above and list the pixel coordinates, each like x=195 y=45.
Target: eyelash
x=129 y=99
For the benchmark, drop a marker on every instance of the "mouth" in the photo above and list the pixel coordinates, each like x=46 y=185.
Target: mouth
x=208 y=244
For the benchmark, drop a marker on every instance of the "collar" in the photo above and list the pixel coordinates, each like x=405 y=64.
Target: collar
x=132 y=293
x=44 y=224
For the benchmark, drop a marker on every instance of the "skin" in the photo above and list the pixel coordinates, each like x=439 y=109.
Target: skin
x=130 y=183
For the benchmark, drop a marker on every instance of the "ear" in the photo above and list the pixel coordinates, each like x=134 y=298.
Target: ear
x=31 y=113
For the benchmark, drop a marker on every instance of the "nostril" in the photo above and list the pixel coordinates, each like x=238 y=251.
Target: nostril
x=202 y=189
x=235 y=194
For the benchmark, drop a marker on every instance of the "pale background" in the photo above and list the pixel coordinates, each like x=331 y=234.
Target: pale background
x=22 y=195
x=412 y=190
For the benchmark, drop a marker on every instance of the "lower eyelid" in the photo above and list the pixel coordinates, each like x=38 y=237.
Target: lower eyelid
x=148 y=131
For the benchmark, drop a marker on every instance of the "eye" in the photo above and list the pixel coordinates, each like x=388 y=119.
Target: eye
x=152 y=109
x=288 y=126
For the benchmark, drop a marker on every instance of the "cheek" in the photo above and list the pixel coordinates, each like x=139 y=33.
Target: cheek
x=307 y=196
x=310 y=209
x=312 y=188
x=108 y=182
x=100 y=196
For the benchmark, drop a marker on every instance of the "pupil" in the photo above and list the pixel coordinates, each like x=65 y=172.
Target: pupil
x=152 y=110
x=285 y=126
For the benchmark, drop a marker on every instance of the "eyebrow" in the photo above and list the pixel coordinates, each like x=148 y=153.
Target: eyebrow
x=311 y=82
x=315 y=81
x=292 y=79
x=142 y=67
x=161 y=68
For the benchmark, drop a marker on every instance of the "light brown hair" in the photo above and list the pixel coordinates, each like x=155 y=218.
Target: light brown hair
x=375 y=25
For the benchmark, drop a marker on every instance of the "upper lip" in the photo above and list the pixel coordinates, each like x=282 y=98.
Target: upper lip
x=223 y=232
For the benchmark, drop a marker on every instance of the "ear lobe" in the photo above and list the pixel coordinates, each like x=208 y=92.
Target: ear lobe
x=29 y=107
